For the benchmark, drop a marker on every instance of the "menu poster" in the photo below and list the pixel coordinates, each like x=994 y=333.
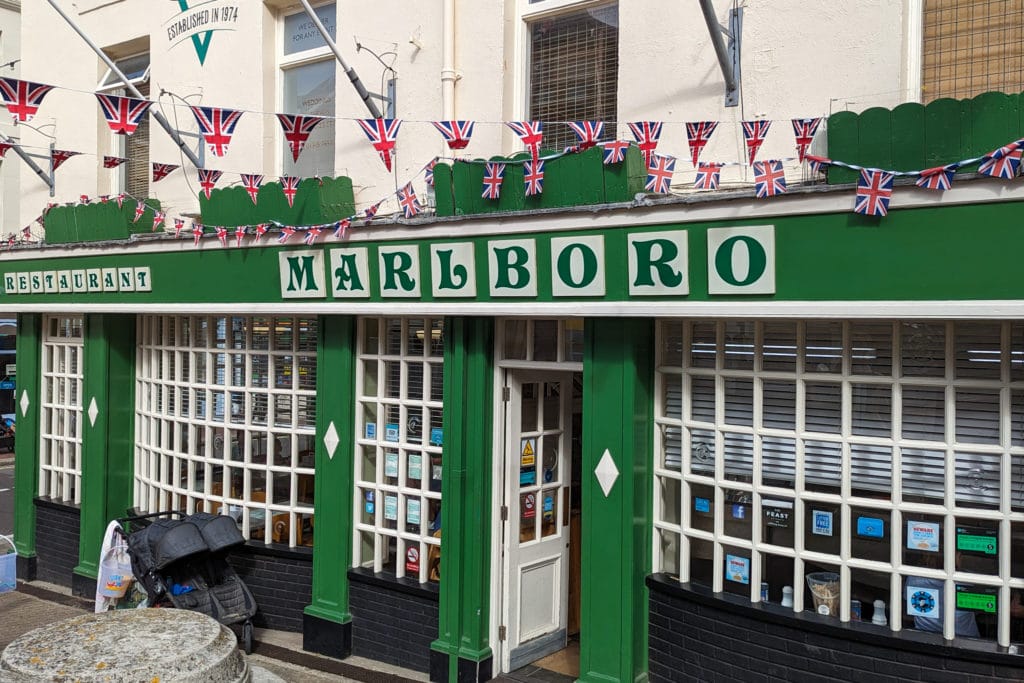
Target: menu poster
x=412 y=511
x=391 y=507
x=923 y=536
x=415 y=466
x=391 y=464
x=737 y=569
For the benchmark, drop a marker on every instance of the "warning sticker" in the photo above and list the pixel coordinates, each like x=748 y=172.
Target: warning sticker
x=529 y=506
x=528 y=451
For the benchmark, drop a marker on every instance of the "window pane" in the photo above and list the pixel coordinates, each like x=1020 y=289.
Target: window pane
x=309 y=90
x=300 y=33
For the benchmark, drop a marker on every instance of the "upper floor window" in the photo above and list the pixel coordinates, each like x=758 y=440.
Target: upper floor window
x=133 y=176
x=573 y=68
x=307 y=87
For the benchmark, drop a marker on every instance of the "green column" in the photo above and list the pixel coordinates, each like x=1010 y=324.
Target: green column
x=108 y=442
x=617 y=417
x=466 y=502
x=26 y=457
x=327 y=623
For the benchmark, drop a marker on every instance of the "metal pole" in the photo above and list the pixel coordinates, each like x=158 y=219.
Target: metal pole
x=131 y=88
x=715 y=29
x=349 y=71
x=31 y=164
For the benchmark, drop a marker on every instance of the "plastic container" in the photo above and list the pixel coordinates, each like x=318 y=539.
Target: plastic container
x=825 y=590
x=8 y=565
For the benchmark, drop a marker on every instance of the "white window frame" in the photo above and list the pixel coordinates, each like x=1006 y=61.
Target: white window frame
x=373 y=538
x=950 y=503
x=297 y=59
x=119 y=143
x=60 y=420
x=174 y=445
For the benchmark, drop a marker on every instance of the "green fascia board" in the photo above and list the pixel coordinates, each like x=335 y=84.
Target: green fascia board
x=912 y=137
x=98 y=222
x=574 y=179
x=317 y=201
x=26 y=456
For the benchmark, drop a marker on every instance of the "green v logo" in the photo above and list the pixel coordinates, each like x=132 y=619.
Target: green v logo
x=201 y=44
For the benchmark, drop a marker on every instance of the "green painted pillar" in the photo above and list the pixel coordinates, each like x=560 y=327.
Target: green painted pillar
x=461 y=652
x=26 y=456
x=618 y=380
x=327 y=623
x=108 y=441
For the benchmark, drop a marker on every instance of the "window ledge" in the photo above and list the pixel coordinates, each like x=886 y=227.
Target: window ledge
x=388 y=581
x=47 y=502
x=908 y=640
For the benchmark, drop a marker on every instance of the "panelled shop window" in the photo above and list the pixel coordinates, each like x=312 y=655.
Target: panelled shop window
x=850 y=462
x=60 y=422
x=971 y=47
x=399 y=445
x=133 y=176
x=573 y=68
x=226 y=421
x=307 y=88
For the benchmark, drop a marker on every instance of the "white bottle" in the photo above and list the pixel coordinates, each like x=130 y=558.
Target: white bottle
x=878 y=618
x=787 y=596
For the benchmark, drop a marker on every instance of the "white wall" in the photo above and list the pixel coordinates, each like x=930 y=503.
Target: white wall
x=800 y=58
x=10 y=51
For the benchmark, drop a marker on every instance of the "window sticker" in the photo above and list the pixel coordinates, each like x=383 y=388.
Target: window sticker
x=412 y=511
x=977 y=599
x=737 y=569
x=391 y=433
x=923 y=536
x=975 y=540
x=821 y=522
x=391 y=464
x=371 y=430
x=870 y=527
x=923 y=602
x=702 y=505
x=436 y=436
x=528 y=452
x=391 y=507
x=415 y=466
x=369 y=503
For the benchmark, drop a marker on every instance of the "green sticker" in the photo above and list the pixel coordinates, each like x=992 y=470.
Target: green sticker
x=981 y=602
x=977 y=544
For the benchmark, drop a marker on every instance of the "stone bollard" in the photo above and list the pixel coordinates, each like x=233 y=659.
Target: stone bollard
x=151 y=645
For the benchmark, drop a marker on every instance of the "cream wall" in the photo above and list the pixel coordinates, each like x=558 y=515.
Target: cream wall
x=10 y=51
x=800 y=58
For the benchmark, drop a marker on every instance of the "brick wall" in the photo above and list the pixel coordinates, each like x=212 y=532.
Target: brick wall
x=57 y=528
x=393 y=620
x=280 y=579
x=697 y=636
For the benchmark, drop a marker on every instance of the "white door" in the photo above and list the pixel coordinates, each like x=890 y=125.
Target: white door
x=538 y=454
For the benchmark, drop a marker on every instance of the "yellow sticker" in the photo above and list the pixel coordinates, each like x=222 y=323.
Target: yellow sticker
x=528 y=448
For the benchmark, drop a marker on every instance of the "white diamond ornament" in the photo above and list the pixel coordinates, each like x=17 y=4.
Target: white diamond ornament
x=93 y=412
x=331 y=440
x=606 y=472
x=24 y=402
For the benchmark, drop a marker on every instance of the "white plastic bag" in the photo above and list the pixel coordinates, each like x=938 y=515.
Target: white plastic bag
x=115 y=568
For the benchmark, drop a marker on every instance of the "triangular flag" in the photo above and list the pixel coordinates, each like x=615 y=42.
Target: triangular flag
x=251 y=182
x=197 y=233
x=158 y=218
x=222 y=235
x=59 y=156
x=207 y=179
x=179 y=225
x=290 y=185
x=697 y=135
x=297 y=129
x=341 y=228
x=140 y=208
x=113 y=162
x=217 y=125
x=312 y=234
x=938 y=178
x=161 y=171
x=754 y=133
x=261 y=230
x=382 y=133
x=646 y=134
x=531 y=133
x=804 y=130
x=239 y=235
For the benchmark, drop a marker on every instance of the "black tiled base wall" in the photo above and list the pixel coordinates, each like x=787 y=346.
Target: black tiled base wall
x=693 y=639
x=280 y=581
x=57 y=529
x=392 y=624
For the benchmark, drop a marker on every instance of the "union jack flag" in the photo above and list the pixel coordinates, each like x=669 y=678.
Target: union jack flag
x=659 y=173
x=285 y=235
x=239 y=235
x=59 y=156
x=382 y=134
x=769 y=179
x=1002 y=163
x=297 y=130
x=83 y=199
x=217 y=125
x=707 y=176
x=341 y=227
x=140 y=208
x=120 y=200
x=207 y=179
x=428 y=175
x=371 y=210
x=290 y=185
x=22 y=98
x=197 y=233
x=615 y=151
x=251 y=182
x=646 y=134
x=938 y=178
x=455 y=133
x=113 y=162
x=10 y=241
x=533 y=177
x=261 y=230
x=104 y=198
x=158 y=218
x=4 y=146
x=222 y=235
x=408 y=201
x=874 y=190
x=587 y=132
x=494 y=174
x=531 y=133
x=818 y=164
x=754 y=133
x=123 y=114
x=804 y=130
x=312 y=234
x=26 y=232
x=179 y=225
x=161 y=171
x=697 y=135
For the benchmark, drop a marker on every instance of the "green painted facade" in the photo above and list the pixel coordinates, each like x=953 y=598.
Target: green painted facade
x=96 y=222
x=317 y=201
x=26 y=465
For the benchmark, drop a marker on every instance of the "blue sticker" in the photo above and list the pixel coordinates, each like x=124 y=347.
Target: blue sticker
x=527 y=477
x=739 y=511
x=702 y=505
x=371 y=430
x=870 y=527
x=6 y=384
x=737 y=569
x=549 y=503
x=822 y=520
x=436 y=436
x=391 y=432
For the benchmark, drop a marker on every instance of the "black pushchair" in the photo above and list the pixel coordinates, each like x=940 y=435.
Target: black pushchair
x=181 y=561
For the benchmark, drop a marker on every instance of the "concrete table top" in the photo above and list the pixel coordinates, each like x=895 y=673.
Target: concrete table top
x=150 y=645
